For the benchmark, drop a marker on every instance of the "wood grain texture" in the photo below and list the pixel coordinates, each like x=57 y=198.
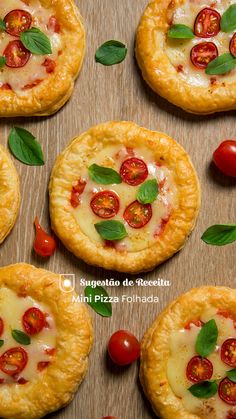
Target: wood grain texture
x=102 y=94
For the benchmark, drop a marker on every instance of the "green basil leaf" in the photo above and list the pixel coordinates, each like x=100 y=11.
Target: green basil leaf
x=103 y=175
x=207 y=338
x=110 y=53
x=228 y=19
x=36 y=41
x=180 y=31
x=25 y=147
x=220 y=234
x=111 y=230
x=2 y=61
x=20 y=337
x=2 y=25
x=147 y=192
x=221 y=65
x=204 y=389
x=232 y=375
x=96 y=301
x=1 y=342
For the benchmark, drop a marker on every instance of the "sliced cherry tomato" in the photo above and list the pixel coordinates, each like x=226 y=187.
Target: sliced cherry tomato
x=231 y=415
x=133 y=171
x=16 y=54
x=77 y=190
x=227 y=391
x=33 y=321
x=225 y=157
x=50 y=65
x=123 y=347
x=17 y=21
x=196 y=322
x=44 y=244
x=137 y=215
x=232 y=45
x=13 y=361
x=202 y=54
x=105 y=204
x=1 y=326
x=42 y=365
x=228 y=352
x=54 y=25
x=199 y=369
x=227 y=315
x=207 y=23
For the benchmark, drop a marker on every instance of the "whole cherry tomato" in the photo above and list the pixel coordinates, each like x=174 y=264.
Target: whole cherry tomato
x=207 y=23
x=202 y=54
x=199 y=369
x=109 y=417
x=123 y=347
x=44 y=244
x=225 y=157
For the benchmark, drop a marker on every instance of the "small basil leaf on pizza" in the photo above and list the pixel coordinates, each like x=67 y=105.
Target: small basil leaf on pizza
x=207 y=338
x=98 y=299
x=221 y=65
x=111 y=230
x=2 y=61
x=20 y=337
x=220 y=234
x=104 y=175
x=232 y=375
x=204 y=389
x=147 y=192
x=36 y=41
x=25 y=147
x=180 y=31
x=1 y=342
x=2 y=25
x=111 y=52
x=228 y=20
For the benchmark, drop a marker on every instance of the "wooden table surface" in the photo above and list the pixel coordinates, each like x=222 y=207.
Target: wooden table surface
x=108 y=93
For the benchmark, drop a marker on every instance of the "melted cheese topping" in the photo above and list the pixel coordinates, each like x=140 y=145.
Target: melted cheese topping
x=166 y=201
x=182 y=349
x=12 y=308
x=17 y=78
x=178 y=50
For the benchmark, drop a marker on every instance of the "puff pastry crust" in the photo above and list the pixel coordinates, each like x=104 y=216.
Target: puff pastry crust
x=55 y=386
x=156 y=55
x=55 y=89
x=85 y=150
x=9 y=194
x=155 y=348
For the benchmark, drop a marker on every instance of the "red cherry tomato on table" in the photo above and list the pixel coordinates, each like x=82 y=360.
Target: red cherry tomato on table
x=207 y=23
x=105 y=204
x=228 y=352
x=199 y=369
x=232 y=45
x=44 y=244
x=196 y=322
x=109 y=417
x=33 y=321
x=17 y=21
x=227 y=391
x=16 y=54
x=13 y=361
x=225 y=157
x=137 y=215
x=1 y=326
x=123 y=348
x=133 y=171
x=202 y=54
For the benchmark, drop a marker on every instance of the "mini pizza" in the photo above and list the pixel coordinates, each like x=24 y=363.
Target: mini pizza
x=45 y=339
x=123 y=197
x=9 y=194
x=188 y=357
x=42 y=45
x=186 y=50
